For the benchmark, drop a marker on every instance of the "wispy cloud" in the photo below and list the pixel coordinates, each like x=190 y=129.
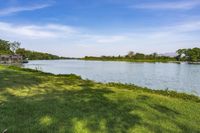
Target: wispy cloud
x=56 y=31
x=176 y=5
x=15 y=9
x=72 y=41
x=62 y=31
x=37 y=31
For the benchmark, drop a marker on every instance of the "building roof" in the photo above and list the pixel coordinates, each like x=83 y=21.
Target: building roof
x=11 y=56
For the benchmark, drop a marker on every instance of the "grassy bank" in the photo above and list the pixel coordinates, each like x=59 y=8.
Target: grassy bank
x=32 y=101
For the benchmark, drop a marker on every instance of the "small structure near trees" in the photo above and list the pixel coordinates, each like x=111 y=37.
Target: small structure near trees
x=8 y=53
x=11 y=59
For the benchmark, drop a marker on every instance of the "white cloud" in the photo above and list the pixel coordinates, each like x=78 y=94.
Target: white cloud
x=53 y=31
x=71 y=41
x=188 y=27
x=182 y=5
x=35 y=31
x=11 y=10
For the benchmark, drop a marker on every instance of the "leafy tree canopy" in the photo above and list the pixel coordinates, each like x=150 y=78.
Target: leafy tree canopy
x=192 y=55
x=8 y=48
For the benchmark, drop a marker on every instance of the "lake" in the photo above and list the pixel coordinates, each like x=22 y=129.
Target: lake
x=179 y=77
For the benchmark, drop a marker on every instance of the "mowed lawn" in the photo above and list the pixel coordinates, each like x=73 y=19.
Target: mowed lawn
x=36 y=102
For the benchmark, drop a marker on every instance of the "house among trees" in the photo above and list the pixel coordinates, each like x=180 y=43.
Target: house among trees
x=11 y=59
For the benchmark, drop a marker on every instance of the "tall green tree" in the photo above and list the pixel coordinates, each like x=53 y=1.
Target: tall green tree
x=192 y=55
x=14 y=46
x=5 y=47
x=130 y=54
x=33 y=55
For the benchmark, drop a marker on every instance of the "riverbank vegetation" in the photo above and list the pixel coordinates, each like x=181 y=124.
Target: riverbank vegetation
x=10 y=48
x=190 y=55
x=33 y=55
x=7 y=47
x=187 y=55
x=134 y=57
x=32 y=101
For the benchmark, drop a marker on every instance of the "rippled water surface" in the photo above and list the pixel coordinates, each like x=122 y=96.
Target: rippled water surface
x=180 y=77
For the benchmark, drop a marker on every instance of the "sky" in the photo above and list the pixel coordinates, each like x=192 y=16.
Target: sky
x=77 y=28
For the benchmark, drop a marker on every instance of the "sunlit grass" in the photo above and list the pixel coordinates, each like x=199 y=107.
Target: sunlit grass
x=32 y=101
x=46 y=121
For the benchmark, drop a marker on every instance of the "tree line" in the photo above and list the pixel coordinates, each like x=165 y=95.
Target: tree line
x=33 y=55
x=11 y=48
x=132 y=56
x=191 y=55
x=7 y=47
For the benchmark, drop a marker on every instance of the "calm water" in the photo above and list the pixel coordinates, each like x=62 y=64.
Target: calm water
x=180 y=77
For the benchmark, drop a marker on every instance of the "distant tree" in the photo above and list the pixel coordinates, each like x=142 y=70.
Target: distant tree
x=130 y=54
x=32 y=55
x=180 y=54
x=155 y=55
x=192 y=55
x=5 y=47
x=14 y=46
x=22 y=52
x=139 y=56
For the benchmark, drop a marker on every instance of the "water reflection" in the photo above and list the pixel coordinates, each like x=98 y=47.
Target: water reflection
x=180 y=77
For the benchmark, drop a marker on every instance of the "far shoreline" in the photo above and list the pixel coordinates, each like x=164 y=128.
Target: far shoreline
x=141 y=61
x=130 y=61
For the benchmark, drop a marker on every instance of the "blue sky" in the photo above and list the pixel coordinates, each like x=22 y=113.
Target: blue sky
x=78 y=28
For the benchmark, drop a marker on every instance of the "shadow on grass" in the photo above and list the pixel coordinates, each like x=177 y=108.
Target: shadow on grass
x=67 y=111
x=82 y=109
x=163 y=114
x=14 y=79
x=165 y=110
x=142 y=98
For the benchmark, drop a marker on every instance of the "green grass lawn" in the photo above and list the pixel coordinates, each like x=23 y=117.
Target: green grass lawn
x=32 y=102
